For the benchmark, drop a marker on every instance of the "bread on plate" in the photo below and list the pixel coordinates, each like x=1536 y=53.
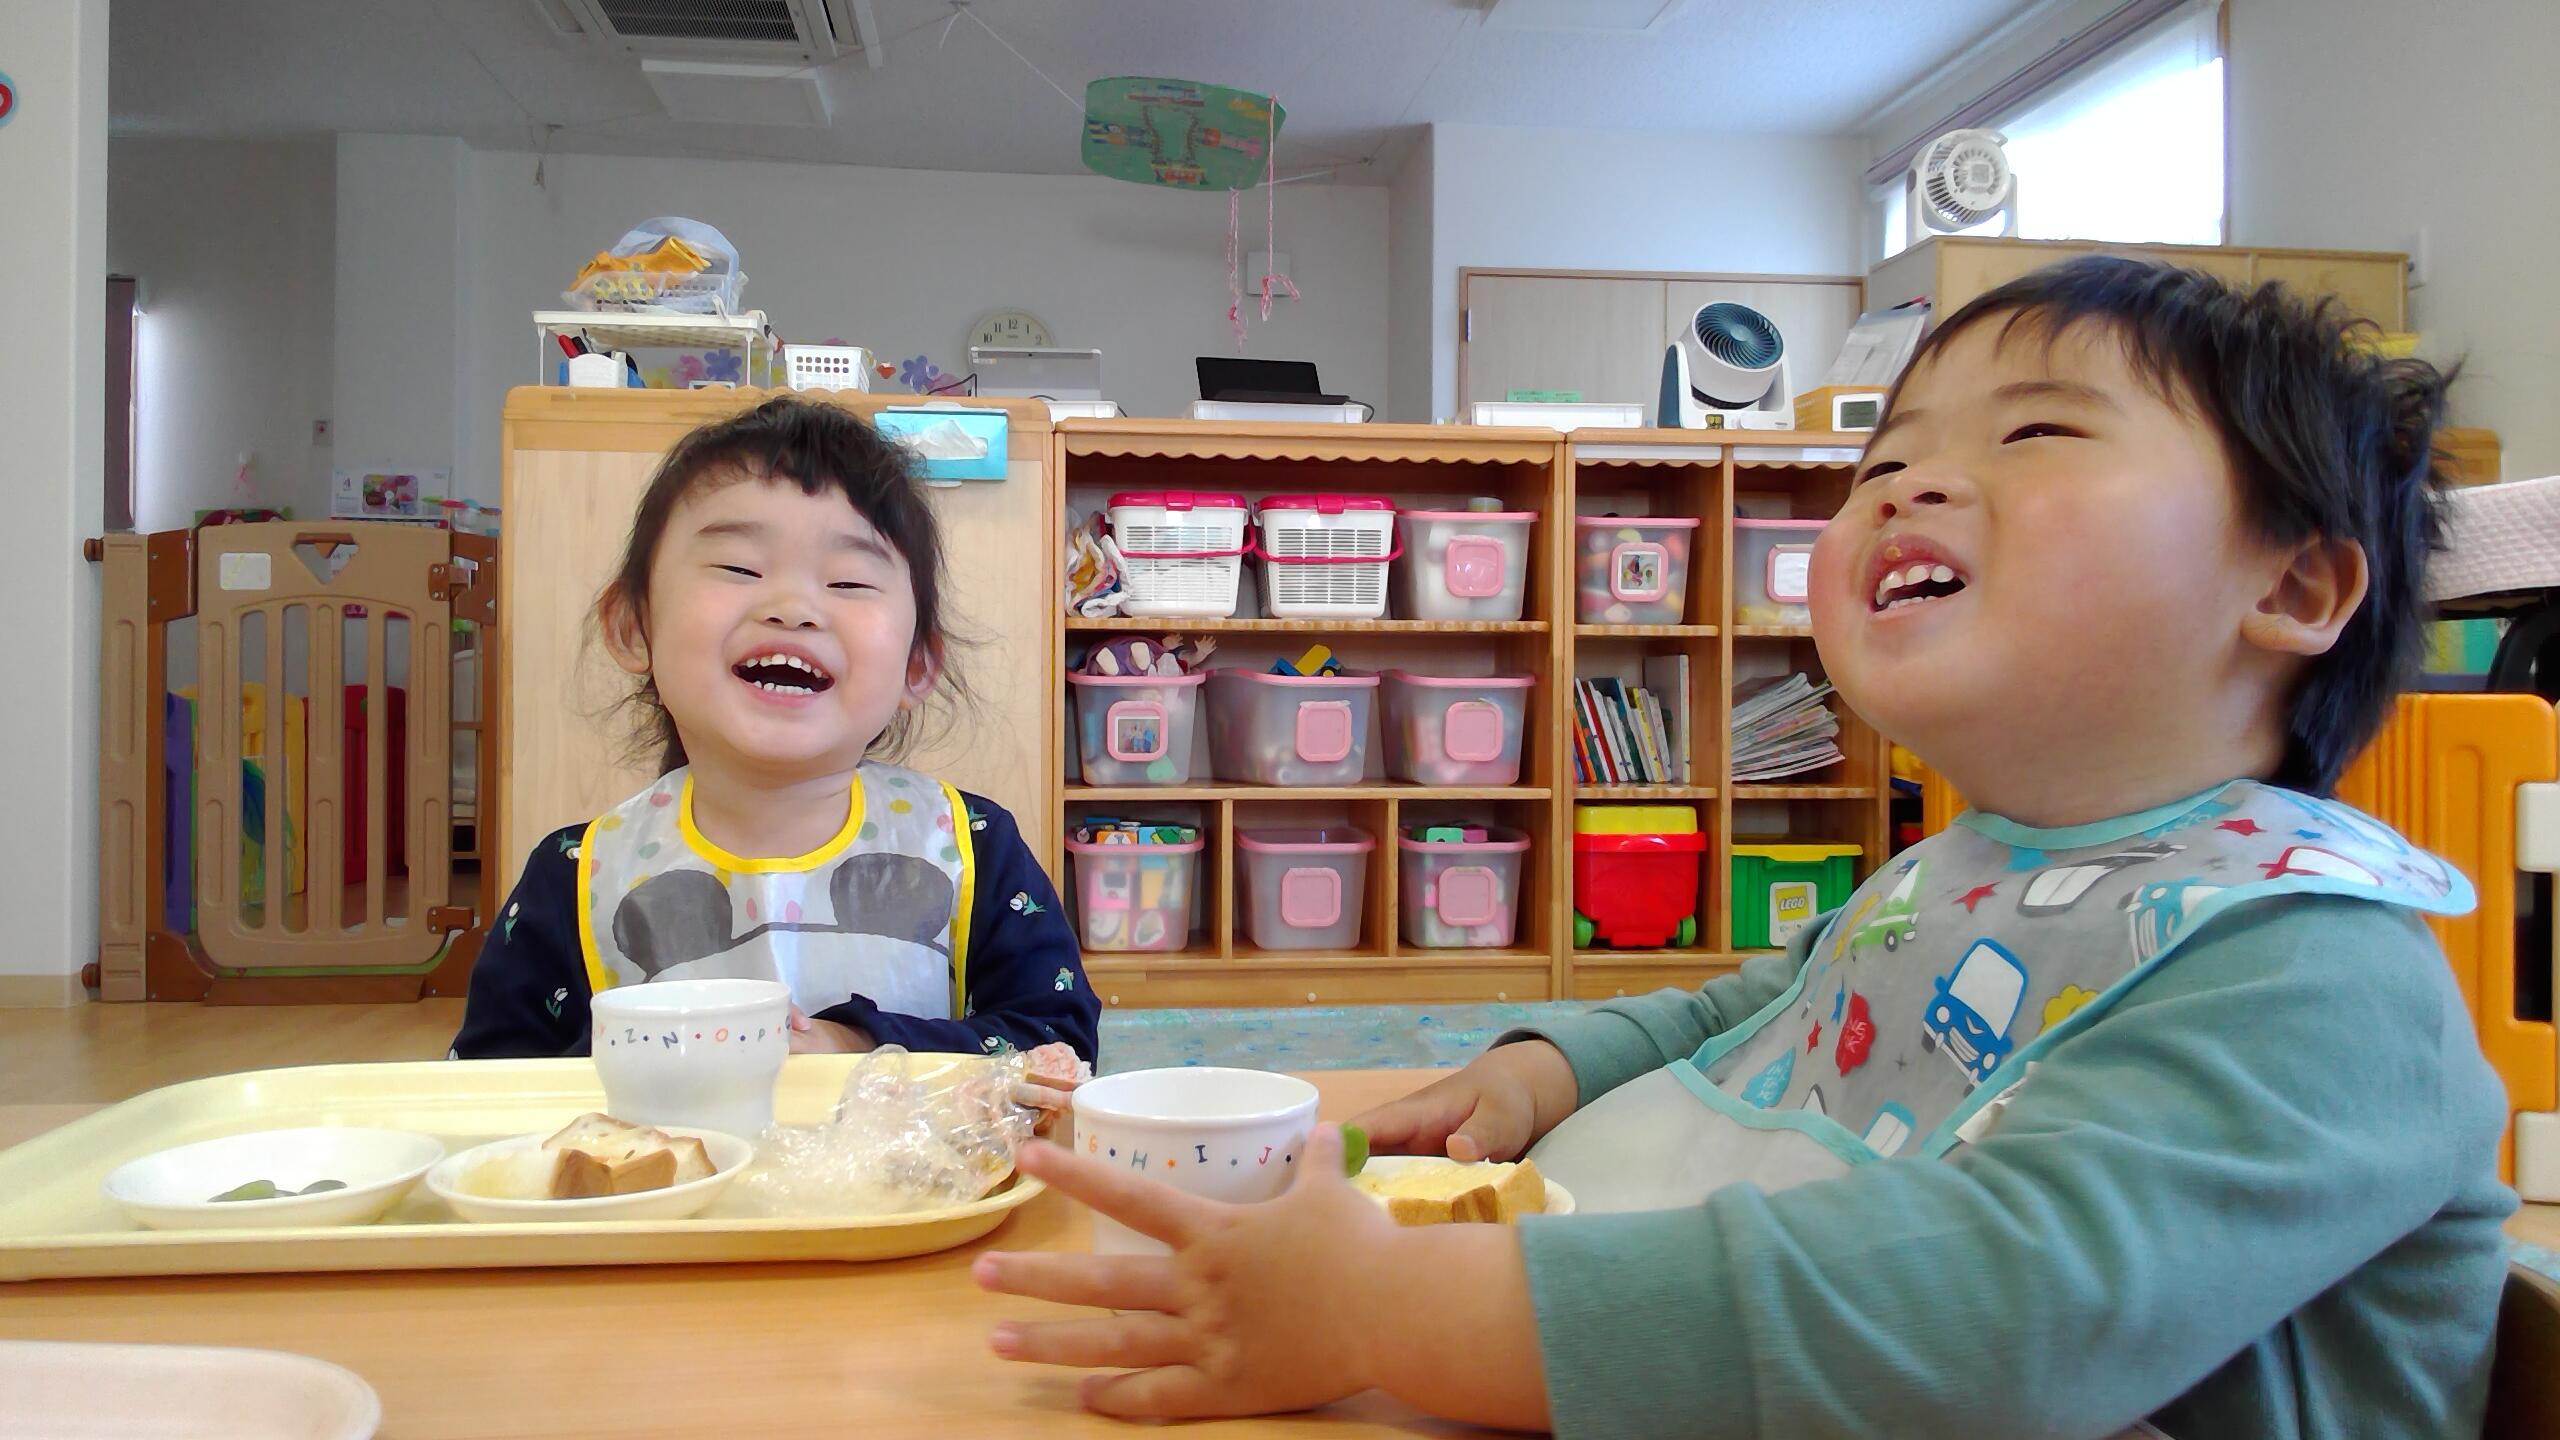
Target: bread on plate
x=1449 y=1192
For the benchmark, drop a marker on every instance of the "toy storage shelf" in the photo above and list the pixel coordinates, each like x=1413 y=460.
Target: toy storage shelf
x=745 y=332
x=1287 y=793
x=1717 y=477
x=1696 y=474
x=1175 y=624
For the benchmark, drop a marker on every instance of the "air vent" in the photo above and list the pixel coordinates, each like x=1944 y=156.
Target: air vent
x=751 y=22
x=767 y=31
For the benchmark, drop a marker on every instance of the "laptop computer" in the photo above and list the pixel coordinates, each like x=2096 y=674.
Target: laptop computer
x=1262 y=382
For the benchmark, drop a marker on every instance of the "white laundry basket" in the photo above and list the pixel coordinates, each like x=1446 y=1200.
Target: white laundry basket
x=826 y=367
x=1181 y=551
x=1325 y=557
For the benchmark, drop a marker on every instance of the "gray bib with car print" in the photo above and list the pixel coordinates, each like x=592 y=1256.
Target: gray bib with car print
x=1979 y=949
x=1951 y=970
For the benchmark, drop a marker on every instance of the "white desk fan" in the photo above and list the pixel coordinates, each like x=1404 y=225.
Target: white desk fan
x=1727 y=371
x=1958 y=181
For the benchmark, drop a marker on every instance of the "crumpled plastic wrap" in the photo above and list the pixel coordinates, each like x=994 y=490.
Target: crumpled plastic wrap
x=898 y=1144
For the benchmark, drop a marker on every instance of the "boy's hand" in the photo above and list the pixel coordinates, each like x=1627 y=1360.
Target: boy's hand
x=1494 y=1109
x=827 y=1037
x=1260 y=1308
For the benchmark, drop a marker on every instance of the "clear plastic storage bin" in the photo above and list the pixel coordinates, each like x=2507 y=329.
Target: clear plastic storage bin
x=1136 y=729
x=1772 y=560
x=1326 y=557
x=1303 y=888
x=1134 y=897
x=1462 y=564
x=1181 y=551
x=1290 y=729
x=1453 y=730
x=1632 y=570
x=1461 y=893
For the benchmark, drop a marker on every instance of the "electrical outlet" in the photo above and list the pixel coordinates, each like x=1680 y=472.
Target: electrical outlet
x=319 y=432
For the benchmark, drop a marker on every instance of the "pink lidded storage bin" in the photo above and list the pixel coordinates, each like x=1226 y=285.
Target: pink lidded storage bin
x=1454 y=730
x=1632 y=569
x=1462 y=564
x=1772 y=563
x=1270 y=729
x=1459 y=894
x=1136 y=729
x=1134 y=897
x=1303 y=889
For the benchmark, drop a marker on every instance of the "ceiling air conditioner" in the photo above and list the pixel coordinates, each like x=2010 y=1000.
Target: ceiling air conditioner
x=803 y=32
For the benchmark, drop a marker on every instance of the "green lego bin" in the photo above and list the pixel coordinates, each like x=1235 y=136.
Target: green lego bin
x=1779 y=887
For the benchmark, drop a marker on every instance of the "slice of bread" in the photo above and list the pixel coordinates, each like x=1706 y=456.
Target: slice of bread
x=599 y=1155
x=1450 y=1193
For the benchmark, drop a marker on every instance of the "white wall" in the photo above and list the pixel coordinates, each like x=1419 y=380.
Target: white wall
x=2354 y=124
x=404 y=284
x=1409 y=269
x=903 y=260
x=53 y=245
x=1621 y=200
x=234 y=244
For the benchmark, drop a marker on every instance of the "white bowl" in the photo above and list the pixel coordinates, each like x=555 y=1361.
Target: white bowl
x=692 y=1052
x=1229 y=1135
x=729 y=1155
x=174 y=1189
x=1559 y=1199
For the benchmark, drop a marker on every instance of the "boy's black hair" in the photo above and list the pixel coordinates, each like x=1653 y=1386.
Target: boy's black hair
x=2325 y=438
x=818 y=447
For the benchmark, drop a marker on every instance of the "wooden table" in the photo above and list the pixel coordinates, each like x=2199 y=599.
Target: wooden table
x=766 y=1351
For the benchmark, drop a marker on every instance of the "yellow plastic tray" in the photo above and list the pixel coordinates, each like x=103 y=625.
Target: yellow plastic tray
x=55 y=1222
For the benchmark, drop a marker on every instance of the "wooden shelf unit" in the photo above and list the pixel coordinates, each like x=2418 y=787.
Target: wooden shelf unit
x=1698 y=473
x=1715 y=476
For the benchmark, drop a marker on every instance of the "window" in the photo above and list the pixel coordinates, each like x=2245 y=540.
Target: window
x=2130 y=149
x=124 y=316
x=2126 y=146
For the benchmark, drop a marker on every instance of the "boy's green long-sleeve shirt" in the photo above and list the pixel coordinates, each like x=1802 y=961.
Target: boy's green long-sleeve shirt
x=2259 y=1199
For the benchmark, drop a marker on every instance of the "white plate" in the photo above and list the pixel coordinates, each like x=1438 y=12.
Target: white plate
x=729 y=1155
x=1559 y=1199
x=174 y=1189
x=178 y=1392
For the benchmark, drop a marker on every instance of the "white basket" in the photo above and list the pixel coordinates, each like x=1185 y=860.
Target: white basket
x=1179 y=559
x=1326 y=566
x=644 y=290
x=826 y=367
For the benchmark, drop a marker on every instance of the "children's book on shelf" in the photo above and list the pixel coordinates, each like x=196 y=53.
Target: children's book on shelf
x=1667 y=677
x=1624 y=735
x=1781 y=727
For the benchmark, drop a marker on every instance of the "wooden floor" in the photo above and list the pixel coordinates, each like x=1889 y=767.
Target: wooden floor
x=91 y=1053
x=95 y=1053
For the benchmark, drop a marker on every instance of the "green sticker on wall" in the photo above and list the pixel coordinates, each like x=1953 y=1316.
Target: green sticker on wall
x=1542 y=397
x=1178 y=132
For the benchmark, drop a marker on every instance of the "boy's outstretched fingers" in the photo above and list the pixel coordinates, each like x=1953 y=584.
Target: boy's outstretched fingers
x=1113 y=1342
x=1158 y=1212
x=1324 y=1157
x=1172 y=1392
x=1106 y=1282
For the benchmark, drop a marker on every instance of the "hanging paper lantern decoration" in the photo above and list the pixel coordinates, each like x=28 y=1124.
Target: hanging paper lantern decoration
x=1178 y=133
